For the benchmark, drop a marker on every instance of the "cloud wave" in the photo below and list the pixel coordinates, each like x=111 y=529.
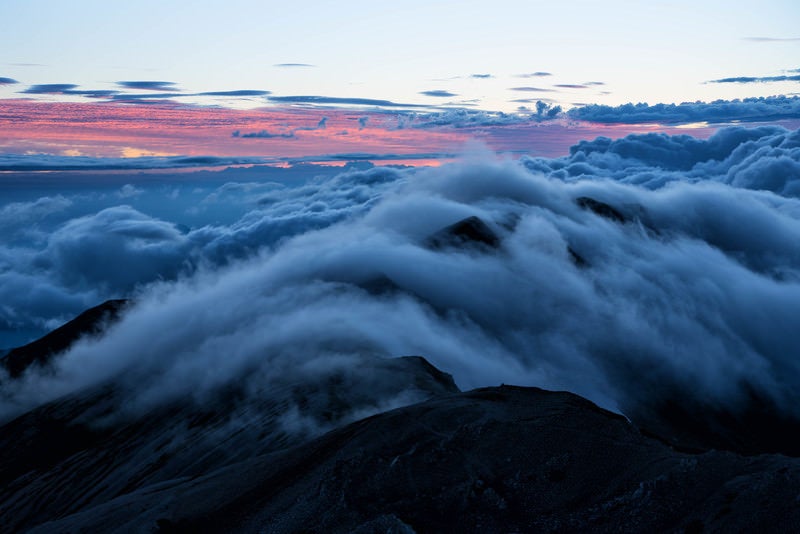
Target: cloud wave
x=766 y=158
x=623 y=272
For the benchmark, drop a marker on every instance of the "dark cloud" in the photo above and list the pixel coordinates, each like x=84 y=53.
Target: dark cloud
x=102 y=93
x=168 y=93
x=7 y=81
x=761 y=79
x=292 y=65
x=438 y=93
x=50 y=88
x=45 y=162
x=663 y=295
x=341 y=101
x=571 y=86
x=531 y=89
x=481 y=76
x=240 y=92
x=595 y=83
x=129 y=97
x=747 y=110
x=538 y=74
x=148 y=85
x=67 y=89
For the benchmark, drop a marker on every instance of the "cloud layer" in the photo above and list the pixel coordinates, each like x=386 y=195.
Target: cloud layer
x=764 y=158
x=343 y=101
x=758 y=79
x=747 y=110
x=653 y=288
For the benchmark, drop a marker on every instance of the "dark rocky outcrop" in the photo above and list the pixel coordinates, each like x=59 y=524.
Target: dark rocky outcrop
x=41 y=351
x=602 y=209
x=466 y=233
x=380 y=285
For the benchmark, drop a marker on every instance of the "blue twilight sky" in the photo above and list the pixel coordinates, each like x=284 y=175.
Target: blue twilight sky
x=469 y=53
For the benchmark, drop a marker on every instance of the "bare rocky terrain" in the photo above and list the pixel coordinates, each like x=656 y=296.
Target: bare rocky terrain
x=501 y=459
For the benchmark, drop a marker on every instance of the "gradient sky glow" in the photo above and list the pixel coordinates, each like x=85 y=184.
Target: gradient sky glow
x=494 y=56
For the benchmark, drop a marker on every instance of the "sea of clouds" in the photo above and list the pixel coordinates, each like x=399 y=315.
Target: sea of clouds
x=694 y=290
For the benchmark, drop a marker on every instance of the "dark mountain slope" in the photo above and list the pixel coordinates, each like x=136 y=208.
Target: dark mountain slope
x=41 y=351
x=502 y=459
x=86 y=449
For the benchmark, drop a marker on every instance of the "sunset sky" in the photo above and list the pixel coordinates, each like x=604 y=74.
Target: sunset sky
x=414 y=79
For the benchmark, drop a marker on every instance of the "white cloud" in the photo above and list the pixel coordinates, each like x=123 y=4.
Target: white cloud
x=692 y=297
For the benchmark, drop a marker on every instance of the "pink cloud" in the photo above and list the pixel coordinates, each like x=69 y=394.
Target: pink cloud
x=125 y=130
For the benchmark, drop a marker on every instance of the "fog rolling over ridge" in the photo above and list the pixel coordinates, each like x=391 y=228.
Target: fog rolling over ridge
x=629 y=272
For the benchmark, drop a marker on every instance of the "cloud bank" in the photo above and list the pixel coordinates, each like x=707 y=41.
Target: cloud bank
x=766 y=158
x=622 y=272
x=758 y=79
x=746 y=110
x=48 y=162
x=466 y=118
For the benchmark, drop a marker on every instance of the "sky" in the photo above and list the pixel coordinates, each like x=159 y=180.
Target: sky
x=292 y=65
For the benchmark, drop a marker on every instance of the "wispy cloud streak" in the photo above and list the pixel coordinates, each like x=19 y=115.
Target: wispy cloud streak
x=757 y=79
x=149 y=85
